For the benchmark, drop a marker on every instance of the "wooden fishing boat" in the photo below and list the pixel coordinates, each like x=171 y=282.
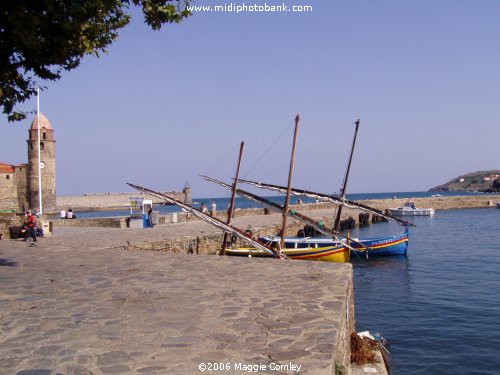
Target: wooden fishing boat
x=326 y=249
x=392 y=245
x=321 y=249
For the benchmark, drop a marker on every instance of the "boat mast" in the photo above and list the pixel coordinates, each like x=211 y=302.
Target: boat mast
x=336 y=224
x=233 y=197
x=289 y=188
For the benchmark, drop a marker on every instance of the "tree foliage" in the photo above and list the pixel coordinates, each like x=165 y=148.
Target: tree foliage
x=496 y=184
x=40 y=39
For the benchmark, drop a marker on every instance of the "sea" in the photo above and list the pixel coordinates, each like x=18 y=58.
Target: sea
x=438 y=306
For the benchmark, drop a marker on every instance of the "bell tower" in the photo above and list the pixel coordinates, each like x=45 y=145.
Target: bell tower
x=47 y=165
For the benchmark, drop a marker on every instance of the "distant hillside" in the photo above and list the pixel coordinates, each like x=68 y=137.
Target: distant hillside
x=472 y=182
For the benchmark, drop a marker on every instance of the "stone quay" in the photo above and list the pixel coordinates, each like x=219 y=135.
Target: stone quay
x=81 y=303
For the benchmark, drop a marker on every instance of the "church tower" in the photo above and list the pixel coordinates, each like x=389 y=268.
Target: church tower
x=47 y=164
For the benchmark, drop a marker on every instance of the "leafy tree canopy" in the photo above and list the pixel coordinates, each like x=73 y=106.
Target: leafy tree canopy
x=40 y=39
x=496 y=184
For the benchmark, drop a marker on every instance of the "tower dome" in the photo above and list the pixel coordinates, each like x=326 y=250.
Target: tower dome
x=44 y=123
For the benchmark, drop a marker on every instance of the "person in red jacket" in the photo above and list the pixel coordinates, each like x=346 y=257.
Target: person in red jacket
x=30 y=225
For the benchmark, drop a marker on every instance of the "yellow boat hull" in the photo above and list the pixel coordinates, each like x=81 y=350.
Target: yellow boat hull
x=325 y=254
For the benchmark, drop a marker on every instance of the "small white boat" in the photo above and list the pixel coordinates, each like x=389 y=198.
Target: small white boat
x=409 y=209
x=436 y=195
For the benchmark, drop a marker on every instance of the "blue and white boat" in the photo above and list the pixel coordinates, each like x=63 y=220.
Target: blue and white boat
x=392 y=245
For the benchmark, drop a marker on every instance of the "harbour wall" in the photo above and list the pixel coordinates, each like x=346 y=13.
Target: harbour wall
x=101 y=201
x=438 y=203
x=320 y=211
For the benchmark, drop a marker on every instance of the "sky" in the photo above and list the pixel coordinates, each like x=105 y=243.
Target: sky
x=163 y=106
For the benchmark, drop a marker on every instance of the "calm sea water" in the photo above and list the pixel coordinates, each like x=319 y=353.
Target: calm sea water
x=439 y=306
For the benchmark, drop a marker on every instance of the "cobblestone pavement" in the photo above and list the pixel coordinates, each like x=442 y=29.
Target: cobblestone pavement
x=72 y=305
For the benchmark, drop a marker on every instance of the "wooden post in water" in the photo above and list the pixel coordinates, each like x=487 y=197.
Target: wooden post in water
x=289 y=188
x=336 y=225
x=233 y=197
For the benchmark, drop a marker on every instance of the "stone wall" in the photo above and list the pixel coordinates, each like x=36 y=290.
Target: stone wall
x=8 y=192
x=22 y=187
x=438 y=203
x=98 y=201
x=347 y=325
x=8 y=220
x=100 y=222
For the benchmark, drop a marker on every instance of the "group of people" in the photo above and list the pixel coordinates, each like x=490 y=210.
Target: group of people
x=67 y=214
x=32 y=226
x=213 y=209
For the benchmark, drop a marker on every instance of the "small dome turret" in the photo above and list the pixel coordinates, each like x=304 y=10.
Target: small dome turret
x=44 y=123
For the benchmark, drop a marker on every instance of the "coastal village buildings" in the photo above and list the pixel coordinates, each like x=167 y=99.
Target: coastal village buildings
x=19 y=183
x=492 y=177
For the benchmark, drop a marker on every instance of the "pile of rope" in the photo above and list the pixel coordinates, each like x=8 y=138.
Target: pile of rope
x=362 y=350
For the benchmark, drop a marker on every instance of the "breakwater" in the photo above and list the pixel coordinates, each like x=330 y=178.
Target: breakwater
x=110 y=201
x=438 y=203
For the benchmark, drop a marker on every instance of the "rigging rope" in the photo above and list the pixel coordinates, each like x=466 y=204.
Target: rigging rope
x=268 y=149
x=216 y=164
x=315 y=146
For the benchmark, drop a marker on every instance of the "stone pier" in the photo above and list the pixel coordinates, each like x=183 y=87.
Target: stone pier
x=79 y=304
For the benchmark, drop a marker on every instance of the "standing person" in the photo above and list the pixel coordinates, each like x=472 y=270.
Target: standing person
x=69 y=214
x=30 y=224
x=39 y=226
x=63 y=213
x=38 y=223
x=150 y=217
x=213 y=209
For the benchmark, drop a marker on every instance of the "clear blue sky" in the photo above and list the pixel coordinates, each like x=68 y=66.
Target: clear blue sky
x=423 y=77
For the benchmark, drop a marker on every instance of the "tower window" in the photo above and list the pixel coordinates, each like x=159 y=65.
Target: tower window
x=7 y=177
x=31 y=146
x=44 y=135
x=42 y=146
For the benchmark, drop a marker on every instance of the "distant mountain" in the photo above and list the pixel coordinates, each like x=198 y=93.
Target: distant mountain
x=485 y=181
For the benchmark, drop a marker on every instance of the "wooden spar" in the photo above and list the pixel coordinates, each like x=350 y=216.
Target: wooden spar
x=336 y=225
x=233 y=196
x=209 y=219
x=328 y=198
x=320 y=227
x=289 y=189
